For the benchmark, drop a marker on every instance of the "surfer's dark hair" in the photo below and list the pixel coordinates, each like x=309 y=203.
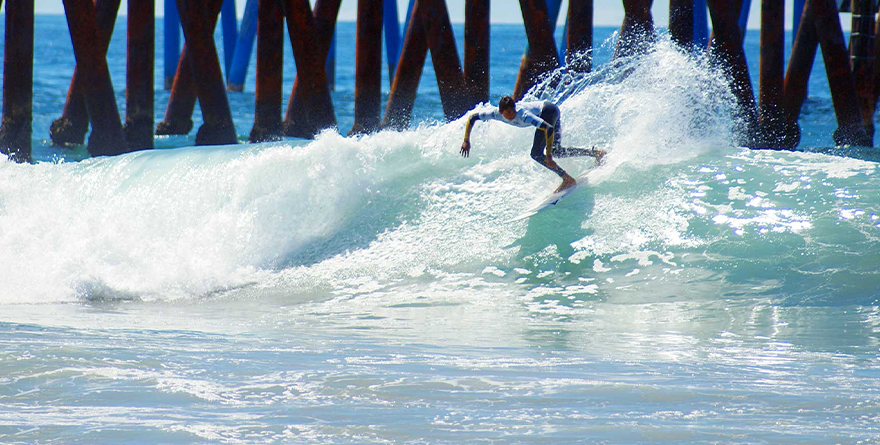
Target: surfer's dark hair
x=505 y=103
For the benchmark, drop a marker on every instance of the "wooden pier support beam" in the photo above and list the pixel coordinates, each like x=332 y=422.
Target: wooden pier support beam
x=850 y=130
x=139 y=89
x=182 y=101
x=270 y=63
x=18 y=81
x=861 y=53
x=72 y=126
x=106 y=137
x=876 y=68
x=402 y=96
x=541 y=56
x=444 y=55
x=729 y=51
x=579 y=36
x=296 y=116
x=198 y=30
x=316 y=111
x=476 y=49
x=637 y=31
x=368 y=67
x=820 y=25
x=797 y=76
x=772 y=75
x=681 y=23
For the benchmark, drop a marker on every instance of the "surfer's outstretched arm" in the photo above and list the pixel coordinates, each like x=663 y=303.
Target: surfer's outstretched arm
x=466 y=145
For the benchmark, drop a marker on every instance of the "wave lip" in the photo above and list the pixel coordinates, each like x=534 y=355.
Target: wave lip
x=190 y=222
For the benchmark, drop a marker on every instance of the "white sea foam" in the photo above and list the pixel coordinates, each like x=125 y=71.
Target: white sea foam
x=338 y=212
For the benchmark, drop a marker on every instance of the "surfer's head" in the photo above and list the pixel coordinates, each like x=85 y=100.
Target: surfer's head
x=507 y=108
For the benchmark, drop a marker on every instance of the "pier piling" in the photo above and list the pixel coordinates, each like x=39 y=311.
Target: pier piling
x=850 y=130
x=541 y=55
x=310 y=38
x=444 y=55
x=768 y=121
x=182 y=100
x=637 y=30
x=106 y=137
x=391 y=27
x=270 y=58
x=772 y=74
x=797 y=77
x=171 y=47
x=681 y=22
x=72 y=126
x=243 y=48
x=402 y=96
x=205 y=64
x=18 y=80
x=368 y=67
x=476 y=49
x=139 y=75
x=861 y=53
x=579 y=36
x=729 y=52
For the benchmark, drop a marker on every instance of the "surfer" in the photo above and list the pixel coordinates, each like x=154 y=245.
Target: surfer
x=543 y=115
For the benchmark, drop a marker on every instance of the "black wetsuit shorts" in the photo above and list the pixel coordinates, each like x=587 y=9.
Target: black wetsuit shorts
x=550 y=114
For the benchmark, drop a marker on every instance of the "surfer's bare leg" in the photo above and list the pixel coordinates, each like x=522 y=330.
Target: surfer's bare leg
x=567 y=180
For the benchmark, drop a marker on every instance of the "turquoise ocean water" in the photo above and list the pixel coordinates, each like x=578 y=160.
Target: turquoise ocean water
x=367 y=290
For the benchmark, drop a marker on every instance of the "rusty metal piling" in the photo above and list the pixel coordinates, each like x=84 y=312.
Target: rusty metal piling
x=447 y=65
x=18 y=81
x=861 y=53
x=728 y=51
x=541 y=55
x=139 y=74
x=72 y=126
x=106 y=137
x=368 y=67
x=182 y=101
x=772 y=72
x=637 y=30
x=579 y=36
x=316 y=111
x=402 y=96
x=797 y=76
x=270 y=63
x=476 y=49
x=681 y=23
x=205 y=64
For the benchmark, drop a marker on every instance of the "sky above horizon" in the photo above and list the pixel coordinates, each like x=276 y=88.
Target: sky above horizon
x=606 y=12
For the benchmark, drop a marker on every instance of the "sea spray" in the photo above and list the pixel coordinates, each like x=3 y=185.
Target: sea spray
x=396 y=210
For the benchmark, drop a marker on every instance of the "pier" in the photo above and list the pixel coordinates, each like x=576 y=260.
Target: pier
x=714 y=27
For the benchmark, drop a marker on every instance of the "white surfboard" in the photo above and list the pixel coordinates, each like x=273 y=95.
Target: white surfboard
x=551 y=200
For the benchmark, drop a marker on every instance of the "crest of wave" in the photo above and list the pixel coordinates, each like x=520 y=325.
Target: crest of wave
x=664 y=106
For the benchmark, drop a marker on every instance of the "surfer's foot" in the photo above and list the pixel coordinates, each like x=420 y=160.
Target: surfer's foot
x=567 y=181
x=600 y=156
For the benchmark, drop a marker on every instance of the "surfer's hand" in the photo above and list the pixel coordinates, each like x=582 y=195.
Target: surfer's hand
x=550 y=162
x=465 y=149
